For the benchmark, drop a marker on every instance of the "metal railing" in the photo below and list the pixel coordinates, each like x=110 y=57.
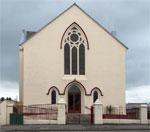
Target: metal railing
x=133 y=113
x=110 y=112
x=78 y=118
x=39 y=111
x=114 y=110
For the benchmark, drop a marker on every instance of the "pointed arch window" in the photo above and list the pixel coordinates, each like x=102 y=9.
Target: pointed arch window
x=74 y=60
x=53 y=97
x=75 y=41
x=81 y=60
x=95 y=96
x=67 y=59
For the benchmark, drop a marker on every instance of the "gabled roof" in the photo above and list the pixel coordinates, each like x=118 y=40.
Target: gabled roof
x=84 y=13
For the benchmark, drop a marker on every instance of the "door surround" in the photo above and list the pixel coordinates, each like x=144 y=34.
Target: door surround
x=82 y=90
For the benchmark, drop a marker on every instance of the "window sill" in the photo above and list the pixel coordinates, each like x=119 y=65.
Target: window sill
x=72 y=77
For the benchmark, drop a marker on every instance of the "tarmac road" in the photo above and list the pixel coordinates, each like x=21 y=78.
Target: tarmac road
x=75 y=128
x=81 y=131
x=105 y=131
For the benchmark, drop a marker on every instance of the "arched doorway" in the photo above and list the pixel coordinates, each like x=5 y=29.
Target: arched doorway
x=74 y=100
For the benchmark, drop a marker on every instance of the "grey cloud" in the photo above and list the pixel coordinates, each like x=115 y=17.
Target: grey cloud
x=130 y=18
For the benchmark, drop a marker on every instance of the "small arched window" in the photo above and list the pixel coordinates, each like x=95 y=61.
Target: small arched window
x=67 y=59
x=53 y=97
x=74 y=60
x=81 y=60
x=95 y=96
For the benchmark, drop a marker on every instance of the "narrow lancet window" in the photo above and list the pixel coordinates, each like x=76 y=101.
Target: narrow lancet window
x=67 y=59
x=81 y=60
x=53 y=97
x=74 y=60
x=95 y=97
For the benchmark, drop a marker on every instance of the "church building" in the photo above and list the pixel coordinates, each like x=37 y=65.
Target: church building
x=73 y=57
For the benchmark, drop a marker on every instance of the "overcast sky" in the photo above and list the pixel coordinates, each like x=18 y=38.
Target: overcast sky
x=130 y=19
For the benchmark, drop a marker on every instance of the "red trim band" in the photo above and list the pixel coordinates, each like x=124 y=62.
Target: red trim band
x=75 y=82
x=97 y=89
x=53 y=87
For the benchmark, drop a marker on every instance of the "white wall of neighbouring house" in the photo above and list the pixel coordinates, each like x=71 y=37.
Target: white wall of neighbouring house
x=42 y=63
x=3 y=113
x=6 y=107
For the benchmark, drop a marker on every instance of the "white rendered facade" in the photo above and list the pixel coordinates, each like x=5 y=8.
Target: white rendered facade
x=42 y=63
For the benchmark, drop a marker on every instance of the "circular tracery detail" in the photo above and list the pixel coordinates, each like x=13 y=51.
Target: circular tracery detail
x=74 y=36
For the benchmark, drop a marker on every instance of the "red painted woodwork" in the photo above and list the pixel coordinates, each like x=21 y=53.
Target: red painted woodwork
x=74 y=102
x=92 y=115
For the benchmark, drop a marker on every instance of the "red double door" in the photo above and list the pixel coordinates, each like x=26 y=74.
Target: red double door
x=74 y=102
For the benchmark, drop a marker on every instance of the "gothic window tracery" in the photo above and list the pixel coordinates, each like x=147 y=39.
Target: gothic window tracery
x=74 y=51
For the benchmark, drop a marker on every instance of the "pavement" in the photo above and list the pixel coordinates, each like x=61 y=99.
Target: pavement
x=69 y=127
